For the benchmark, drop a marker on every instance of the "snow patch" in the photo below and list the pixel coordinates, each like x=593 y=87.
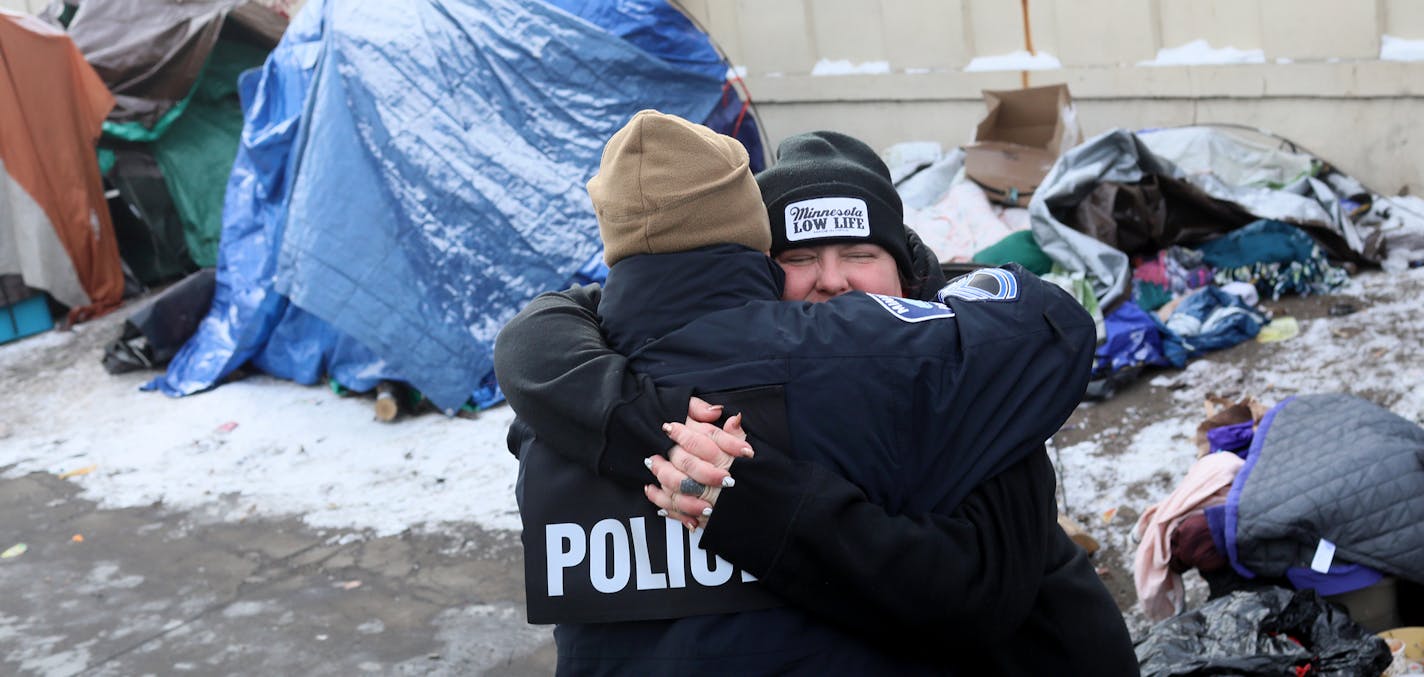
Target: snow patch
x=294 y=451
x=1201 y=53
x=845 y=67
x=1400 y=49
x=1095 y=481
x=1014 y=61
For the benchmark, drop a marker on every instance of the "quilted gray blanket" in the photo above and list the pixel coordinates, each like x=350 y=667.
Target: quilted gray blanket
x=1331 y=467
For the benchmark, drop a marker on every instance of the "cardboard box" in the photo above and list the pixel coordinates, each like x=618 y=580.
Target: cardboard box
x=1019 y=139
x=1008 y=173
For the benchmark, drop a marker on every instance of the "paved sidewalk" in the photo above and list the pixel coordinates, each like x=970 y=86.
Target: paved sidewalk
x=152 y=591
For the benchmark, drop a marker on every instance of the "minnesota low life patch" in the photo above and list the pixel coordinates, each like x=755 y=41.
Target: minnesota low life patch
x=827 y=217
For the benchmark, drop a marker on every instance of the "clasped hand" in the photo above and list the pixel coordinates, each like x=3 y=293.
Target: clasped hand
x=698 y=467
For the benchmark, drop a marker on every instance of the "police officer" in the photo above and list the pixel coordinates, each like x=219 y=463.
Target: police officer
x=1009 y=335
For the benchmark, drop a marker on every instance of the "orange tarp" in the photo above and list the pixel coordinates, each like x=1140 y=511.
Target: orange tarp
x=52 y=106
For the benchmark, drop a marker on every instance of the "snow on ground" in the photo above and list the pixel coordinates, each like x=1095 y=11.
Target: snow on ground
x=1098 y=481
x=1201 y=53
x=295 y=450
x=1118 y=470
x=1331 y=354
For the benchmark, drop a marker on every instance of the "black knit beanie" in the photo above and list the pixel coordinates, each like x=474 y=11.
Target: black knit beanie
x=829 y=188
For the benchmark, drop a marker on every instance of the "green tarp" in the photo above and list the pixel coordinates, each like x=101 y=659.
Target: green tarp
x=195 y=143
x=197 y=151
x=1018 y=247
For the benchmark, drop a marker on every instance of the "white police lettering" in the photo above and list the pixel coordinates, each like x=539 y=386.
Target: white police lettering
x=598 y=538
x=827 y=217
x=611 y=564
x=910 y=310
x=985 y=284
x=555 y=535
x=647 y=578
x=721 y=570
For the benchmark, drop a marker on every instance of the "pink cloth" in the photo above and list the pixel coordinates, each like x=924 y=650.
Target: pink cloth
x=964 y=222
x=1208 y=482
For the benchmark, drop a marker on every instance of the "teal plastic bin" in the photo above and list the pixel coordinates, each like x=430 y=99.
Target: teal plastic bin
x=28 y=317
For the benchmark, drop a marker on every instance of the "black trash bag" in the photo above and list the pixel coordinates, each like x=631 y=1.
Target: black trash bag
x=1273 y=631
x=155 y=333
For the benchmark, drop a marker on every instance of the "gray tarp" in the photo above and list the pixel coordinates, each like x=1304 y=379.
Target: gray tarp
x=1122 y=156
x=1234 y=160
x=1270 y=183
x=1116 y=155
x=148 y=52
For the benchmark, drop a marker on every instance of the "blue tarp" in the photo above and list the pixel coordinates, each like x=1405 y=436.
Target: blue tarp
x=245 y=308
x=1136 y=338
x=658 y=28
x=411 y=174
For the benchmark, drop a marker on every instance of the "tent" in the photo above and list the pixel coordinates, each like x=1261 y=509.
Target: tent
x=55 y=230
x=410 y=174
x=173 y=69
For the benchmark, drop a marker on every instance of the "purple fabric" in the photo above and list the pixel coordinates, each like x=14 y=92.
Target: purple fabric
x=1342 y=578
x=1233 y=499
x=1216 y=522
x=1234 y=437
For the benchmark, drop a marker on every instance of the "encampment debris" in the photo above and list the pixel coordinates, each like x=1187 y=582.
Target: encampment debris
x=78 y=472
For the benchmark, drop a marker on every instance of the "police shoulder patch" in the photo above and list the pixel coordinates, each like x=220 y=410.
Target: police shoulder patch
x=910 y=310
x=985 y=284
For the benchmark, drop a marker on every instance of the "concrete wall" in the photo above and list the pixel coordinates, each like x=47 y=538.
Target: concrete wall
x=1321 y=84
x=36 y=6
x=1320 y=81
x=24 y=6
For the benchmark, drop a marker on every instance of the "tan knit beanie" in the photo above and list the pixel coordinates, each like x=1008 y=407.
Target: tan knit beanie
x=667 y=185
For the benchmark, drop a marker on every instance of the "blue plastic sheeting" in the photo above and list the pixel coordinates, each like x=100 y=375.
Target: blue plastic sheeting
x=659 y=29
x=245 y=307
x=1136 y=337
x=588 y=85
x=656 y=27
x=441 y=186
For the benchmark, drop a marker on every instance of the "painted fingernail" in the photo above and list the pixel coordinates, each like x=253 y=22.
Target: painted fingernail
x=728 y=482
x=707 y=512
x=662 y=512
x=667 y=427
x=748 y=451
x=716 y=407
x=648 y=463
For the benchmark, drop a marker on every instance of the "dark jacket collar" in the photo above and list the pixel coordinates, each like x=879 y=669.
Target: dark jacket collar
x=649 y=295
